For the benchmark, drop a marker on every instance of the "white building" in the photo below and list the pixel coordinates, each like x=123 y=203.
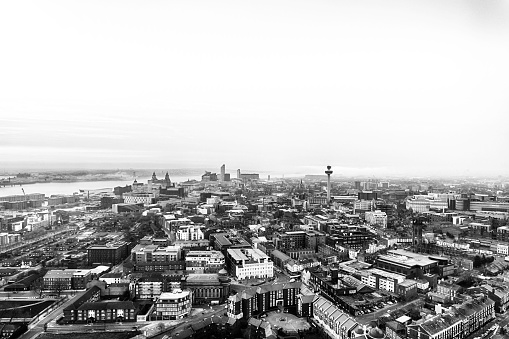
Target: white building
x=190 y=232
x=204 y=261
x=113 y=278
x=172 y=305
x=376 y=218
x=151 y=253
x=363 y=205
x=423 y=203
x=382 y=280
x=250 y=263
x=503 y=249
x=172 y=221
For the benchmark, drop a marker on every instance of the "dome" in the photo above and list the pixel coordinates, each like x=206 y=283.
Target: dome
x=223 y=272
x=359 y=330
x=375 y=332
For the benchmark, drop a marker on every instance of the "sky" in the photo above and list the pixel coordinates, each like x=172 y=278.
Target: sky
x=368 y=87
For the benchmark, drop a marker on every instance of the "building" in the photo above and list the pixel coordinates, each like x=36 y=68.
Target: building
x=205 y=261
x=381 y=280
x=190 y=232
x=91 y=295
x=499 y=294
x=209 y=288
x=409 y=264
x=172 y=305
x=113 y=278
x=140 y=198
x=208 y=176
x=459 y=322
x=106 y=312
x=155 y=253
x=503 y=233
x=249 y=263
x=247 y=176
x=335 y=323
x=503 y=249
x=264 y=298
x=112 y=253
x=376 y=218
x=68 y=279
x=150 y=287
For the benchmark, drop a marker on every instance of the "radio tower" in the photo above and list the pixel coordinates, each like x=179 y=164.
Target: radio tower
x=328 y=172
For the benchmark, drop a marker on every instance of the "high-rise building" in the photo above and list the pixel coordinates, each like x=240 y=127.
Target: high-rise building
x=223 y=171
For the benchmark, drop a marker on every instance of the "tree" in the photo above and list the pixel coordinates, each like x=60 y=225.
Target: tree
x=38 y=287
x=59 y=286
x=161 y=327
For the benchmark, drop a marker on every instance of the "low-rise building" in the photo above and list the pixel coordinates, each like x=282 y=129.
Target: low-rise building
x=204 y=261
x=172 y=305
x=106 y=312
x=67 y=279
x=376 y=217
x=336 y=323
x=457 y=323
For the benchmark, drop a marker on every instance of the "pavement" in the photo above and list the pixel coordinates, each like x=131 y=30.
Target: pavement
x=36 y=328
x=195 y=318
x=286 y=321
x=367 y=318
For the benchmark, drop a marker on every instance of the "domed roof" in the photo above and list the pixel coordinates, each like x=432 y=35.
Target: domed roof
x=223 y=272
x=359 y=330
x=375 y=332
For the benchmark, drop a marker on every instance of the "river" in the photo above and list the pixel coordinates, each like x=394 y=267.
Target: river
x=67 y=188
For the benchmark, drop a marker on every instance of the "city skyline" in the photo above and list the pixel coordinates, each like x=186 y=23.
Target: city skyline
x=371 y=89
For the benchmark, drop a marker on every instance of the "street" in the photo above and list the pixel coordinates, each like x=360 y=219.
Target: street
x=38 y=327
x=214 y=311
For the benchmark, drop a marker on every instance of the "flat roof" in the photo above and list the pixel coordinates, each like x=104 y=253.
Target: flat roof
x=202 y=277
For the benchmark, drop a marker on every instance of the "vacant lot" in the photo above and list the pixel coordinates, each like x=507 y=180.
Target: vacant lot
x=288 y=322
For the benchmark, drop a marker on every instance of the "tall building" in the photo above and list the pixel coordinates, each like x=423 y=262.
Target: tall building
x=223 y=170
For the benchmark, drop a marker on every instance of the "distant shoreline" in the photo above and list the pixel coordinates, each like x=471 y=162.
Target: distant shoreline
x=17 y=183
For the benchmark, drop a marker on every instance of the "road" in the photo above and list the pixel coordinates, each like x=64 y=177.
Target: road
x=215 y=311
x=38 y=327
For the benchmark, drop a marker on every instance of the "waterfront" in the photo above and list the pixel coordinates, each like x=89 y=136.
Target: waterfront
x=56 y=188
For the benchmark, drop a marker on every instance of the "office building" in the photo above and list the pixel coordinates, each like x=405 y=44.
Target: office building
x=172 y=305
x=249 y=263
x=112 y=253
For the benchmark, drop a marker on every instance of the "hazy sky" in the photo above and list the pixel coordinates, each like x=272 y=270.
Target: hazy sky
x=369 y=87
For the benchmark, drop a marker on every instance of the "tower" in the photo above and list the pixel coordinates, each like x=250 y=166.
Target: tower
x=417 y=226
x=167 y=180
x=154 y=177
x=238 y=173
x=223 y=170
x=328 y=172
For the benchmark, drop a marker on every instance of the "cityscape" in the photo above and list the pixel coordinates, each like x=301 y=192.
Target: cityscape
x=269 y=169
x=234 y=254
